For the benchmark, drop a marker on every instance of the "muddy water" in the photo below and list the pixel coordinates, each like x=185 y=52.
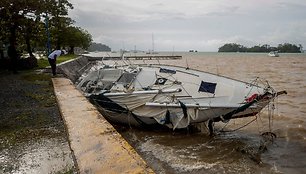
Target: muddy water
x=237 y=151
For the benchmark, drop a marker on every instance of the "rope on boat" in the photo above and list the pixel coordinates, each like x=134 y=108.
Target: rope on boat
x=222 y=130
x=271 y=107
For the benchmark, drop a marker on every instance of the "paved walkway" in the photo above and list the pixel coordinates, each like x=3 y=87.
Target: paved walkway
x=97 y=146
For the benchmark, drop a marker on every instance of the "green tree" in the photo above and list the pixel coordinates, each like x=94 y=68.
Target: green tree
x=24 y=22
x=232 y=47
x=25 y=17
x=29 y=29
x=14 y=13
x=57 y=12
x=76 y=37
x=301 y=48
x=284 y=48
x=260 y=48
x=289 y=48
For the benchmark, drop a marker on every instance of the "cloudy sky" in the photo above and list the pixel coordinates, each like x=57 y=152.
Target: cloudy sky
x=181 y=25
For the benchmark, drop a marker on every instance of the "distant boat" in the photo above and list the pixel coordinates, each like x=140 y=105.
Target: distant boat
x=273 y=54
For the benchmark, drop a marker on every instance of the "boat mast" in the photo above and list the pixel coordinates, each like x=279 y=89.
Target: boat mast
x=152 y=43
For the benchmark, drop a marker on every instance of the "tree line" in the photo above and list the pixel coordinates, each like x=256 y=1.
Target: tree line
x=282 y=48
x=98 y=47
x=29 y=25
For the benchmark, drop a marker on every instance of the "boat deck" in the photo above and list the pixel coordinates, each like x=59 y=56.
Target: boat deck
x=97 y=146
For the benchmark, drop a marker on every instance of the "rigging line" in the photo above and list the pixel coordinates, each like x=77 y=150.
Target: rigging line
x=129 y=121
x=116 y=63
x=186 y=82
x=83 y=67
x=242 y=126
x=125 y=62
x=261 y=121
x=246 y=124
x=98 y=79
x=252 y=86
x=269 y=117
x=266 y=84
x=165 y=95
x=205 y=125
x=277 y=111
x=158 y=61
x=188 y=93
x=224 y=126
x=254 y=81
x=137 y=81
x=159 y=87
x=187 y=63
x=271 y=113
x=129 y=62
x=104 y=57
x=122 y=60
x=259 y=116
x=144 y=61
x=167 y=77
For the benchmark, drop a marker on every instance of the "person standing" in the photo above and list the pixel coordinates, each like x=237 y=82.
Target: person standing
x=52 y=59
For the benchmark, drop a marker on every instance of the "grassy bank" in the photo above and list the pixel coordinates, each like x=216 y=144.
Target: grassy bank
x=43 y=62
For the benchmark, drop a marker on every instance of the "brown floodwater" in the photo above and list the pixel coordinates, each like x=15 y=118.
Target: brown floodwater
x=237 y=151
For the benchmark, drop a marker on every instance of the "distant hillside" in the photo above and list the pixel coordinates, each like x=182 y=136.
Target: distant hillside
x=98 y=47
x=282 y=48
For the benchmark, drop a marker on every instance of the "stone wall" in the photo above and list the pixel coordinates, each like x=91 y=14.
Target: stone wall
x=74 y=68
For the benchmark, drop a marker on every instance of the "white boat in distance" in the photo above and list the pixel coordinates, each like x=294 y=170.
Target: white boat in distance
x=273 y=54
x=171 y=96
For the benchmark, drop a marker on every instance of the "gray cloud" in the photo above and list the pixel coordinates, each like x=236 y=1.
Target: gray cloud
x=192 y=24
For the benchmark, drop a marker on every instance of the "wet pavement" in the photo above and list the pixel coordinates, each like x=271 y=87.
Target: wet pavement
x=44 y=155
x=32 y=134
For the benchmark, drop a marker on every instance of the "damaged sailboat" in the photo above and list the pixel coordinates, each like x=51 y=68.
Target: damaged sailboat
x=171 y=96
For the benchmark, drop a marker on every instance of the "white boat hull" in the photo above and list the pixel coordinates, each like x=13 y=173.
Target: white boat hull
x=171 y=96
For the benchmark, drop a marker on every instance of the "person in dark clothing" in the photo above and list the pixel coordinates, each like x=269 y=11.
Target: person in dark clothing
x=52 y=59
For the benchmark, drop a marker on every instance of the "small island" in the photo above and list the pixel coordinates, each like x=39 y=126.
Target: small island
x=282 y=48
x=98 y=47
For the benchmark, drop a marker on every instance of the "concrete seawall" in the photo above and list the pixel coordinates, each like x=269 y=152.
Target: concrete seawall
x=72 y=69
x=97 y=146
